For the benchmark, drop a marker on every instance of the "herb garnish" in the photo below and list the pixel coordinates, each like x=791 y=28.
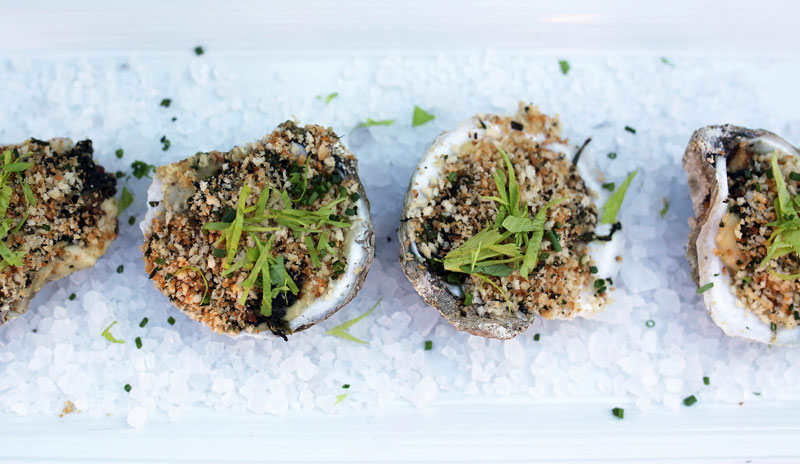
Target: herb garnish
x=120 y=269
x=138 y=343
x=340 y=398
x=127 y=387
x=420 y=117
x=329 y=98
x=143 y=323
x=72 y=296
x=341 y=329
x=11 y=167
x=125 y=200
x=667 y=62
x=371 y=122
x=171 y=320
x=614 y=202
x=198 y=50
x=650 y=323
x=428 y=345
x=705 y=287
x=120 y=152
x=142 y=169
x=630 y=129
x=166 y=102
x=664 y=210
x=618 y=412
x=165 y=143
x=706 y=381
x=493 y=252
x=564 y=65
x=785 y=238
x=690 y=400
x=108 y=335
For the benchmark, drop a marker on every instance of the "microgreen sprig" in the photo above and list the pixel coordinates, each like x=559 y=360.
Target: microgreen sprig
x=785 y=237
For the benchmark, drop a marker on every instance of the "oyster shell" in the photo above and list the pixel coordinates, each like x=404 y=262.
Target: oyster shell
x=447 y=298
x=708 y=159
x=70 y=222
x=177 y=186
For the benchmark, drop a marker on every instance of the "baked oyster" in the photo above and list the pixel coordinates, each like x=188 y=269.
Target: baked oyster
x=269 y=238
x=744 y=244
x=499 y=226
x=58 y=214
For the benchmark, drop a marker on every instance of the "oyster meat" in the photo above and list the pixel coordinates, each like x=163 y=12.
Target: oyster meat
x=742 y=251
x=269 y=238
x=58 y=214
x=457 y=197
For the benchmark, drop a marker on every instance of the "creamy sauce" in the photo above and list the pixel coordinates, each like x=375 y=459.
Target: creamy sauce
x=727 y=245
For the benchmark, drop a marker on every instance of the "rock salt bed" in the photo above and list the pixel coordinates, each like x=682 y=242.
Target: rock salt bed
x=55 y=353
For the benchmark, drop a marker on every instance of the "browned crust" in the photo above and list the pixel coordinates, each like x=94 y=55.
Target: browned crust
x=699 y=163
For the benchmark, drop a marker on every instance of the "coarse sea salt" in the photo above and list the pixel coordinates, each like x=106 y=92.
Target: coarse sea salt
x=55 y=353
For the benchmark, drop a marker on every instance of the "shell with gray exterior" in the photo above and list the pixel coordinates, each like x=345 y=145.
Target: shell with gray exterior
x=448 y=202
x=303 y=172
x=733 y=192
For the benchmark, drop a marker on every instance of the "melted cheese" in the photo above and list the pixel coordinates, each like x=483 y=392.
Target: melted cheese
x=727 y=245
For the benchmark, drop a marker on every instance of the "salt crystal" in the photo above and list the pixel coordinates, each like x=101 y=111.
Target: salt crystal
x=137 y=417
x=424 y=392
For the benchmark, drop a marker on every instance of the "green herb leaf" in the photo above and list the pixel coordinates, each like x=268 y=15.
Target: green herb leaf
x=564 y=65
x=618 y=412
x=667 y=62
x=428 y=345
x=330 y=97
x=125 y=200
x=705 y=287
x=120 y=152
x=664 y=210
x=371 y=122
x=614 y=202
x=198 y=50
x=142 y=169
x=107 y=334
x=494 y=270
x=690 y=400
x=421 y=117
x=166 y=102
x=341 y=329
x=340 y=398
x=18 y=166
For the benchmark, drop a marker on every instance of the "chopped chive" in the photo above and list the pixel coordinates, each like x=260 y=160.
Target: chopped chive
x=350 y=212
x=618 y=412
x=630 y=129
x=593 y=269
x=610 y=186
x=667 y=62
x=664 y=210
x=346 y=386
x=165 y=143
x=160 y=261
x=553 y=240
x=72 y=296
x=143 y=323
x=127 y=387
x=120 y=153
x=612 y=155
x=428 y=345
x=218 y=252
x=650 y=323
x=690 y=400
x=706 y=381
x=132 y=220
x=452 y=176
x=564 y=65
x=120 y=268
x=746 y=279
x=794 y=176
x=198 y=50
x=468 y=300
x=773 y=327
x=536 y=337
x=705 y=287
x=46 y=227
x=599 y=283
x=171 y=320
x=355 y=197
x=138 y=343
x=165 y=103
